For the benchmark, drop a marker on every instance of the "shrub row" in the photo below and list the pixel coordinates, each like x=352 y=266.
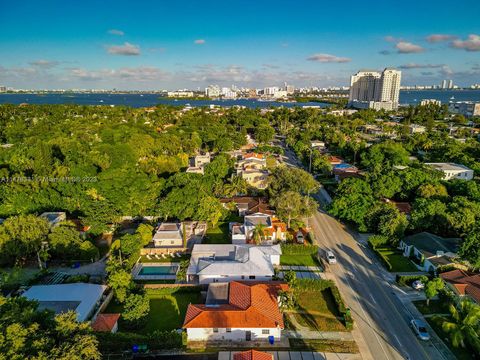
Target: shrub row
x=384 y=260
x=176 y=289
x=407 y=280
x=122 y=341
x=297 y=249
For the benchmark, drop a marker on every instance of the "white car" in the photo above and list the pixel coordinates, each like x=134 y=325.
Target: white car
x=331 y=259
x=418 y=285
x=420 y=329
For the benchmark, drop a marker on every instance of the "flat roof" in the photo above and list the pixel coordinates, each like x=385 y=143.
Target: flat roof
x=80 y=297
x=448 y=166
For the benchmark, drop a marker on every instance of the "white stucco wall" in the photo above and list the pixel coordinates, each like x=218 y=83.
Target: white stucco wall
x=207 y=279
x=236 y=334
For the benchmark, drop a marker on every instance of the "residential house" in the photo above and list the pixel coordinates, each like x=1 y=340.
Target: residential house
x=250 y=312
x=463 y=284
x=403 y=207
x=82 y=298
x=106 y=323
x=229 y=262
x=195 y=170
x=453 y=171
x=430 y=251
x=247 y=205
x=175 y=237
x=344 y=170
x=54 y=218
x=274 y=230
x=252 y=161
x=202 y=160
x=255 y=178
x=334 y=160
x=416 y=129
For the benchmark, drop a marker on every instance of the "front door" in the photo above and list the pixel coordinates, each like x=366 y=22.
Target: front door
x=248 y=335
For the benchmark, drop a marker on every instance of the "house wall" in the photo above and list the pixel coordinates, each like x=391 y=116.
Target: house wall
x=236 y=334
x=239 y=239
x=207 y=279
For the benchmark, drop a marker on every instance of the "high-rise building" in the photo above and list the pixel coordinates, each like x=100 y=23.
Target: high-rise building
x=444 y=84
x=450 y=84
x=212 y=91
x=375 y=90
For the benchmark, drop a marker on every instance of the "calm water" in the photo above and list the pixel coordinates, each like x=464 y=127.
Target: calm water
x=158 y=270
x=141 y=100
x=134 y=100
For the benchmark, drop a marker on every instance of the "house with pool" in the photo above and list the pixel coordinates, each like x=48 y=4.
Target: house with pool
x=225 y=263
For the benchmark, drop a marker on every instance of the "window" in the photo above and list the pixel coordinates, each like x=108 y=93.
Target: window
x=229 y=330
x=265 y=331
x=252 y=277
x=215 y=330
x=243 y=277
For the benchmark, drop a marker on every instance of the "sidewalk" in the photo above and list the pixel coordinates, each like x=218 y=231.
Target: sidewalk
x=298 y=355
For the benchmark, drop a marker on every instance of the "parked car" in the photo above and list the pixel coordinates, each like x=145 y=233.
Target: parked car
x=418 y=285
x=331 y=259
x=420 y=328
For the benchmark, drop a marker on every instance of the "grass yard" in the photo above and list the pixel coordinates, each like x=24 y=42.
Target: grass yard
x=398 y=262
x=435 y=307
x=333 y=346
x=460 y=353
x=167 y=308
x=318 y=311
x=299 y=260
x=218 y=234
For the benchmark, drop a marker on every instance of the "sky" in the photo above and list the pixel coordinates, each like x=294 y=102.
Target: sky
x=154 y=45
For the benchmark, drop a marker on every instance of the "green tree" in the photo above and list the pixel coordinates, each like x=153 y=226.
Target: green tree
x=145 y=232
x=258 y=233
x=264 y=133
x=136 y=309
x=470 y=247
x=285 y=178
x=121 y=282
x=463 y=326
x=432 y=191
x=291 y=205
x=432 y=287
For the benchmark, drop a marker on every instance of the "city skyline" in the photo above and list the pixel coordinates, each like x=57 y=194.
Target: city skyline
x=151 y=46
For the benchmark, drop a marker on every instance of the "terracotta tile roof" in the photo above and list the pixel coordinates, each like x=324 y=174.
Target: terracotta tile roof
x=253 y=155
x=335 y=160
x=252 y=355
x=105 y=322
x=464 y=283
x=250 y=305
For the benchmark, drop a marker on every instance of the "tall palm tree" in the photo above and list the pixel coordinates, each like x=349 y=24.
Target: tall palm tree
x=258 y=233
x=464 y=324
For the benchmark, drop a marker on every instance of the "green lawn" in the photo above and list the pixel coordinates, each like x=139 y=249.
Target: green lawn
x=299 y=260
x=167 y=308
x=396 y=259
x=435 y=307
x=460 y=353
x=218 y=234
x=318 y=311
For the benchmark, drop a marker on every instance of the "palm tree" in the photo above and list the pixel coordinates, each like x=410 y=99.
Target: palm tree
x=464 y=324
x=236 y=186
x=258 y=233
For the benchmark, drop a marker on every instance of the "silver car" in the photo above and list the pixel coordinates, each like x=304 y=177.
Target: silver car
x=420 y=328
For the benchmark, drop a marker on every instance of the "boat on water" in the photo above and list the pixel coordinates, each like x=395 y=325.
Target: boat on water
x=452 y=98
x=101 y=100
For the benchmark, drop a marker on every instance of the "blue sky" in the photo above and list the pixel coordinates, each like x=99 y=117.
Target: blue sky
x=171 y=45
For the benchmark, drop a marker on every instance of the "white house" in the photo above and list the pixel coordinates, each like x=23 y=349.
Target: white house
x=79 y=297
x=429 y=250
x=224 y=263
x=244 y=311
x=168 y=235
x=54 y=218
x=273 y=229
x=453 y=171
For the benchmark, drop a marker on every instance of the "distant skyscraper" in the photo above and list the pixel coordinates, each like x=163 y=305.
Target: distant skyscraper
x=450 y=84
x=444 y=84
x=372 y=89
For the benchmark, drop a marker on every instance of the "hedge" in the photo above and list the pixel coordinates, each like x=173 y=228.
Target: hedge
x=122 y=341
x=297 y=249
x=407 y=280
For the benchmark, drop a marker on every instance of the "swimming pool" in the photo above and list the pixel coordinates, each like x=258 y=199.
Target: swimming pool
x=158 y=270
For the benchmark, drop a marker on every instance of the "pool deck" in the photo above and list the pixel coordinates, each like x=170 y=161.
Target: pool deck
x=139 y=266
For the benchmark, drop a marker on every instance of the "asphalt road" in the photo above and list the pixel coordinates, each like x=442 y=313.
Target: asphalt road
x=381 y=319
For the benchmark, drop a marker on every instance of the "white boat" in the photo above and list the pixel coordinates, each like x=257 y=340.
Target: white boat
x=452 y=98
x=101 y=100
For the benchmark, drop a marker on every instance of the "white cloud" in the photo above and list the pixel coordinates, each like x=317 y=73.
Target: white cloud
x=116 y=32
x=404 y=47
x=390 y=38
x=44 y=64
x=472 y=43
x=199 y=41
x=140 y=74
x=125 y=49
x=440 y=37
x=419 y=66
x=327 y=58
